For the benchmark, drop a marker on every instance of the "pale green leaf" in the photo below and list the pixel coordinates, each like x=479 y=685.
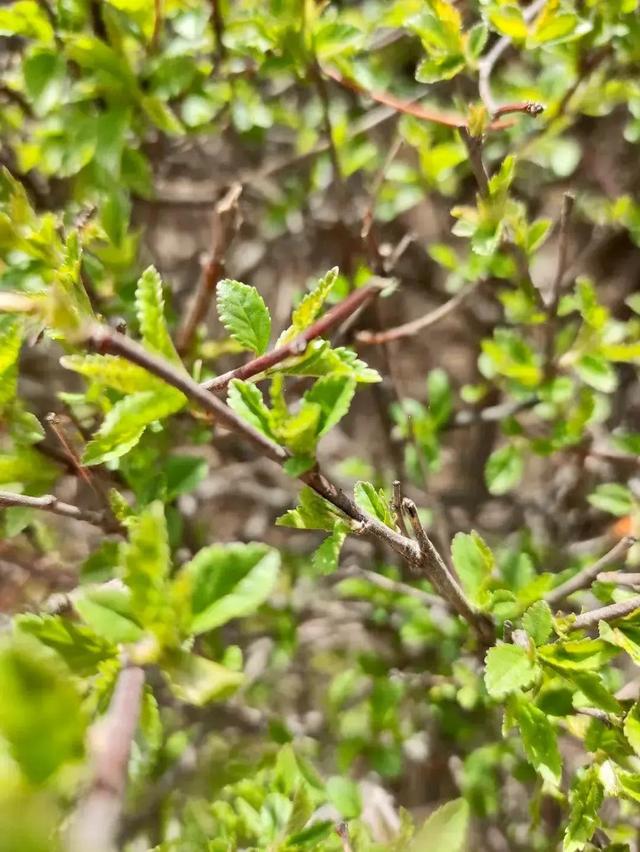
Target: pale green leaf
x=585 y=799
x=113 y=372
x=243 y=313
x=309 y=307
x=446 y=829
x=312 y=513
x=508 y=669
x=150 y=313
x=540 y=740
x=107 y=611
x=374 y=503
x=326 y=558
x=196 y=680
x=474 y=562
x=538 y=622
x=504 y=469
x=246 y=400
x=333 y=394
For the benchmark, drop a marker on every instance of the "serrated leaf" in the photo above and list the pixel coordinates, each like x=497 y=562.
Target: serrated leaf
x=312 y=513
x=125 y=423
x=597 y=372
x=538 y=622
x=150 y=314
x=319 y=359
x=539 y=739
x=612 y=497
x=309 y=307
x=585 y=799
x=108 y=612
x=374 y=503
x=300 y=432
x=474 y=562
x=326 y=558
x=246 y=400
x=243 y=313
x=196 y=680
x=504 y=469
x=446 y=829
x=333 y=394
x=508 y=669
x=632 y=727
x=112 y=371
x=229 y=581
x=80 y=648
x=10 y=342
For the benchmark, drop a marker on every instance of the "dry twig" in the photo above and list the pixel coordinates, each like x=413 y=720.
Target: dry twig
x=583 y=579
x=606 y=613
x=50 y=503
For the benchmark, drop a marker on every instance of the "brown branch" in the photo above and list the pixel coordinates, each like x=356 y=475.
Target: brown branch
x=408 y=329
x=217 y=22
x=225 y=222
x=323 y=95
x=396 y=505
x=50 y=503
x=525 y=107
x=432 y=566
x=606 y=613
x=473 y=144
x=95 y=825
x=583 y=579
x=556 y=286
x=336 y=315
x=620 y=578
x=487 y=63
x=342 y=830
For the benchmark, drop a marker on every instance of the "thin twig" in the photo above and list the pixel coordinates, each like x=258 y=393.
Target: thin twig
x=583 y=579
x=434 y=569
x=217 y=22
x=325 y=103
x=473 y=144
x=408 y=329
x=620 y=578
x=396 y=505
x=336 y=315
x=491 y=414
x=50 y=503
x=95 y=825
x=556 y=285
x=224 y=226
x=342 y=830
x=487 y=63
x=397 y=587
x=606 y=613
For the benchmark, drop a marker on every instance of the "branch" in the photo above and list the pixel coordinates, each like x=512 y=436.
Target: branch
x=473 y=144
x=556 y=286
x=432 y=566
x=95 y=825
x=583 y=579
x=620 y=578
x=488 y=62
x=491 y=414
x=225 y=222
x=342 y=830
x=336 y=315
x=396 y=505
x=606 y=613
x=408 y=329
x=50 y=503
x=396 y=587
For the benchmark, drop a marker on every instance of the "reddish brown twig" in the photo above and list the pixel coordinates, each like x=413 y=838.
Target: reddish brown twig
x=410 y=108
x=224 y=226
x=525 y=107
x=336 y=315
x=95 y=825
x=408 y=329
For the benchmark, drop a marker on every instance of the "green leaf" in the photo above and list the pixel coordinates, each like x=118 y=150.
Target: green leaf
x=613 y=498
x=150 y=314
x=504 y=469
x=230 y=581
x=325 y=559
x=243 y=313
x=10 y=343
x=313 y=513
x=539 y=740
x=344 y=795
x=433 y=69
x=309 y=307
x=597 y=372
x=477 y=39
x=196 y=680
x=246 y=400
x=25 y=18
x=508 y=669
x=41 y=714
x=183 y=474
x=577 y=655
x=333 y=394
x=147 y=562
x=446 y=829
x=374 y=503
x=113 y=372
x=474 y=562
x=553 y=27
x=80 y=648
x=125 y=423
x=538 y=622
x=585 y=799
x=632 y=727
x=508 y=20
x=107 y=610
x=622 y=637
x=439 y=396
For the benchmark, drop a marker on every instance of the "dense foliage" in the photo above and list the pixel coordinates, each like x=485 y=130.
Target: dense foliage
x=431 y=364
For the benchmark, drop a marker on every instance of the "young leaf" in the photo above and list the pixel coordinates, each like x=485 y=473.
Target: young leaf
x=42 y=719
x=585 y=799
x=508 y=669
x=247 y=401
x=243 y=313
x=474 y=562
x=10 y=342
x=539 y=740
x=309 y=307
x=333 y=394
x=504 y=469
x=113 y=372
x=344 y=795
x=446 y=829
x=124 y=424
x=374 y=503
x=80 y=648
x=313 y=513
x=229 y=581
x=612 y=497
x=538 y=622
x=150 y=313
x=107 y=611
x=325 y=558
x=196 y=680
x=632 y=727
